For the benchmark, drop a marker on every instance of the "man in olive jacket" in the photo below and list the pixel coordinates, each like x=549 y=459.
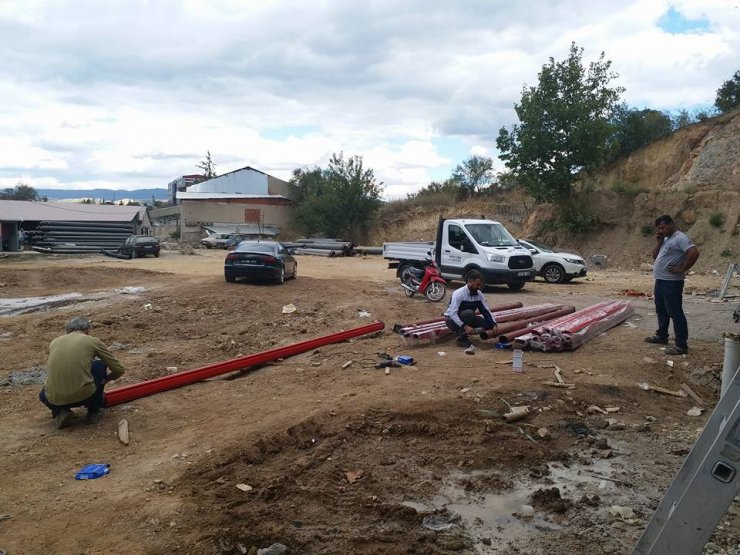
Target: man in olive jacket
x=77 y=371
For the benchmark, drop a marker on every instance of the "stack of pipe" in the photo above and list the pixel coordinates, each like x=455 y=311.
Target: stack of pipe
x=512 y=318
x=78 y=237
x=322 y=247
x=571 y=331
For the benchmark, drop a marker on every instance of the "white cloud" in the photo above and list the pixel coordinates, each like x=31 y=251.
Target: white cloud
x=134 y=94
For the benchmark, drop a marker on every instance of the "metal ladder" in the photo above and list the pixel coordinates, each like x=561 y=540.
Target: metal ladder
x=734 y=267
x=703 y=489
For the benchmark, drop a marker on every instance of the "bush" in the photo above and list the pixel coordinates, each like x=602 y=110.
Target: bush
x=717 y=219
x=629 y=189
x=646 y=230
x=577 y=215
x=727 y=253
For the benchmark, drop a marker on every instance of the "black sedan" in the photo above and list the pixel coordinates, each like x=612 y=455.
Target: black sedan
x=260 y=260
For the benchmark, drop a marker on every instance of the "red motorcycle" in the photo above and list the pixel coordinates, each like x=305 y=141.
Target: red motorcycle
x=428 y=282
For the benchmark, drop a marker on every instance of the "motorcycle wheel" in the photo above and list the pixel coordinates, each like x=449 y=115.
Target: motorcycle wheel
x=409 y=283
x=436 y=291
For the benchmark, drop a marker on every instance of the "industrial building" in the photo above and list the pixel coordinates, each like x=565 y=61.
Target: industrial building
x=244 y=199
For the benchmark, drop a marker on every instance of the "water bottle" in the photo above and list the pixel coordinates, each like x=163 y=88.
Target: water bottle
x=517 y=360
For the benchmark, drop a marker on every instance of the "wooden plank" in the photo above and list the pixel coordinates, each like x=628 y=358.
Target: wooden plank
x=692 y=394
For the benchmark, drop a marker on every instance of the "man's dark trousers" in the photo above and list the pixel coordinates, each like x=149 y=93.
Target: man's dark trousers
x=469 y=318
x=669 y=306
x=99 y=371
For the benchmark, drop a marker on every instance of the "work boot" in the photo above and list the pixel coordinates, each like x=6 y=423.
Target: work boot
x=657 y=340
x=93 y=416
x=63 y=418
x=676 y=350
x=463 y=342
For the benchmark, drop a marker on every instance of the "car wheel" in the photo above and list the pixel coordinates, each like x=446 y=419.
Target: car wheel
x=281 y=277
x=134 y=254
x=516 y=285
x=229 y=279
x=553 y=273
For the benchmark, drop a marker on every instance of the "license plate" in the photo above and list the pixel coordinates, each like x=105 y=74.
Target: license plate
x=523 y=274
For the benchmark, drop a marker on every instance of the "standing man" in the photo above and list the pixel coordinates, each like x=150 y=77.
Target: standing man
x=674 y=255
x=460 y=315
x=77 y=373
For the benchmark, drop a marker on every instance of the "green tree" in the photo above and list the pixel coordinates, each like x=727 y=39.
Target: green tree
x=474 y=174
x=354 y=197
x=635 y=128
x=309 y=191
x=20 y=192
x=564 y=125
x=340 y=200
x=207 y=166
x=728 y=95
x=449 y=187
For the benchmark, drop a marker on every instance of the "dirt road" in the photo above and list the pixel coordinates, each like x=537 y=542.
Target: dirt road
x=338 y=460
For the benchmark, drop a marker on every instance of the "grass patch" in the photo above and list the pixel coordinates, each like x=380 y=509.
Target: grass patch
x=727 y=253
x=716 y=219
x=646 y=230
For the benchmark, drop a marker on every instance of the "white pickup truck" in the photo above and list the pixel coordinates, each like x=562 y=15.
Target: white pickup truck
x=464 y=245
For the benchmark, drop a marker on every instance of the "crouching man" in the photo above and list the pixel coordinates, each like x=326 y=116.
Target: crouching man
x=460 y=315
x=77 y=371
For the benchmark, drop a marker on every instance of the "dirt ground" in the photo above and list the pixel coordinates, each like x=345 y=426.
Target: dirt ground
x=340 y=460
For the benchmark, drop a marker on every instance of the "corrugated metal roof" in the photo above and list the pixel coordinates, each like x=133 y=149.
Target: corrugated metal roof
x=23 y=210
x=187 y=195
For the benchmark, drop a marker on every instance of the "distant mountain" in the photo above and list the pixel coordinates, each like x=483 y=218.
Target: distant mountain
x=105 y=194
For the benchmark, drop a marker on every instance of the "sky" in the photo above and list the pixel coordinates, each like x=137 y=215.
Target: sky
x=131 y=94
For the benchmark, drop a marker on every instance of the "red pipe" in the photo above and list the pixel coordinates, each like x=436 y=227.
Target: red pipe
x=508 y=335
x=408 y=329
x=157 y=385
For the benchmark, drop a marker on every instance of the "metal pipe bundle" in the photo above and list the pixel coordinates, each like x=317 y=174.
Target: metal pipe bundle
x=572 y=331
x=78 y=237
x=315 y=252
x=337 y=246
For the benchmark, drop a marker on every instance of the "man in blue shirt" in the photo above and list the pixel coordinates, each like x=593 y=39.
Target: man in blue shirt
x=460 y=315
x=674 y=255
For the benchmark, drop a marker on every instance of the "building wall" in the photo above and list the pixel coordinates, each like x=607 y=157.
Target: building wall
x=277 y=212
x=277 y=186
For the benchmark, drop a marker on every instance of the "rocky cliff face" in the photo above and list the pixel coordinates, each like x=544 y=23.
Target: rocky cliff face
x=692 y=174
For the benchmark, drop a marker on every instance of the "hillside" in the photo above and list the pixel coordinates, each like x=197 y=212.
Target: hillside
x=692 y=174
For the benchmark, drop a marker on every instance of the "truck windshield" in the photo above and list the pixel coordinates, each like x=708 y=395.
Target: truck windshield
x=491 y=235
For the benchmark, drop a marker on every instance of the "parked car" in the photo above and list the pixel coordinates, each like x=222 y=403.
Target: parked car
x=137 y=246
x=555 y=267
x=221 y=240
x=260 y=260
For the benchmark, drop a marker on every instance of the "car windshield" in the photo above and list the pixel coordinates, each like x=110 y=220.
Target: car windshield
x=539 y=246
x=255 y=247
x=491 y=235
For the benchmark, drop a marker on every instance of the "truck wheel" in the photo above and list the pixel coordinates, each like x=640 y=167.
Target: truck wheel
x=553 y=273
x=516 y=285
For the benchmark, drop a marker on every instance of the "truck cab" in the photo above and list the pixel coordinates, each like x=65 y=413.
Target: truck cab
x=483 y=245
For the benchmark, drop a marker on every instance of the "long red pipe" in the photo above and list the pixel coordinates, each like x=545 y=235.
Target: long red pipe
x=157 y=385
x=404 y=329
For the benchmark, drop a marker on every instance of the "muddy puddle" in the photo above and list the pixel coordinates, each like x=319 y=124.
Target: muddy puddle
x=494 y=520
x=25 y=305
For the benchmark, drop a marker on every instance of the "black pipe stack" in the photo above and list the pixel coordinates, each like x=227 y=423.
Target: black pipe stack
x=78 y=237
